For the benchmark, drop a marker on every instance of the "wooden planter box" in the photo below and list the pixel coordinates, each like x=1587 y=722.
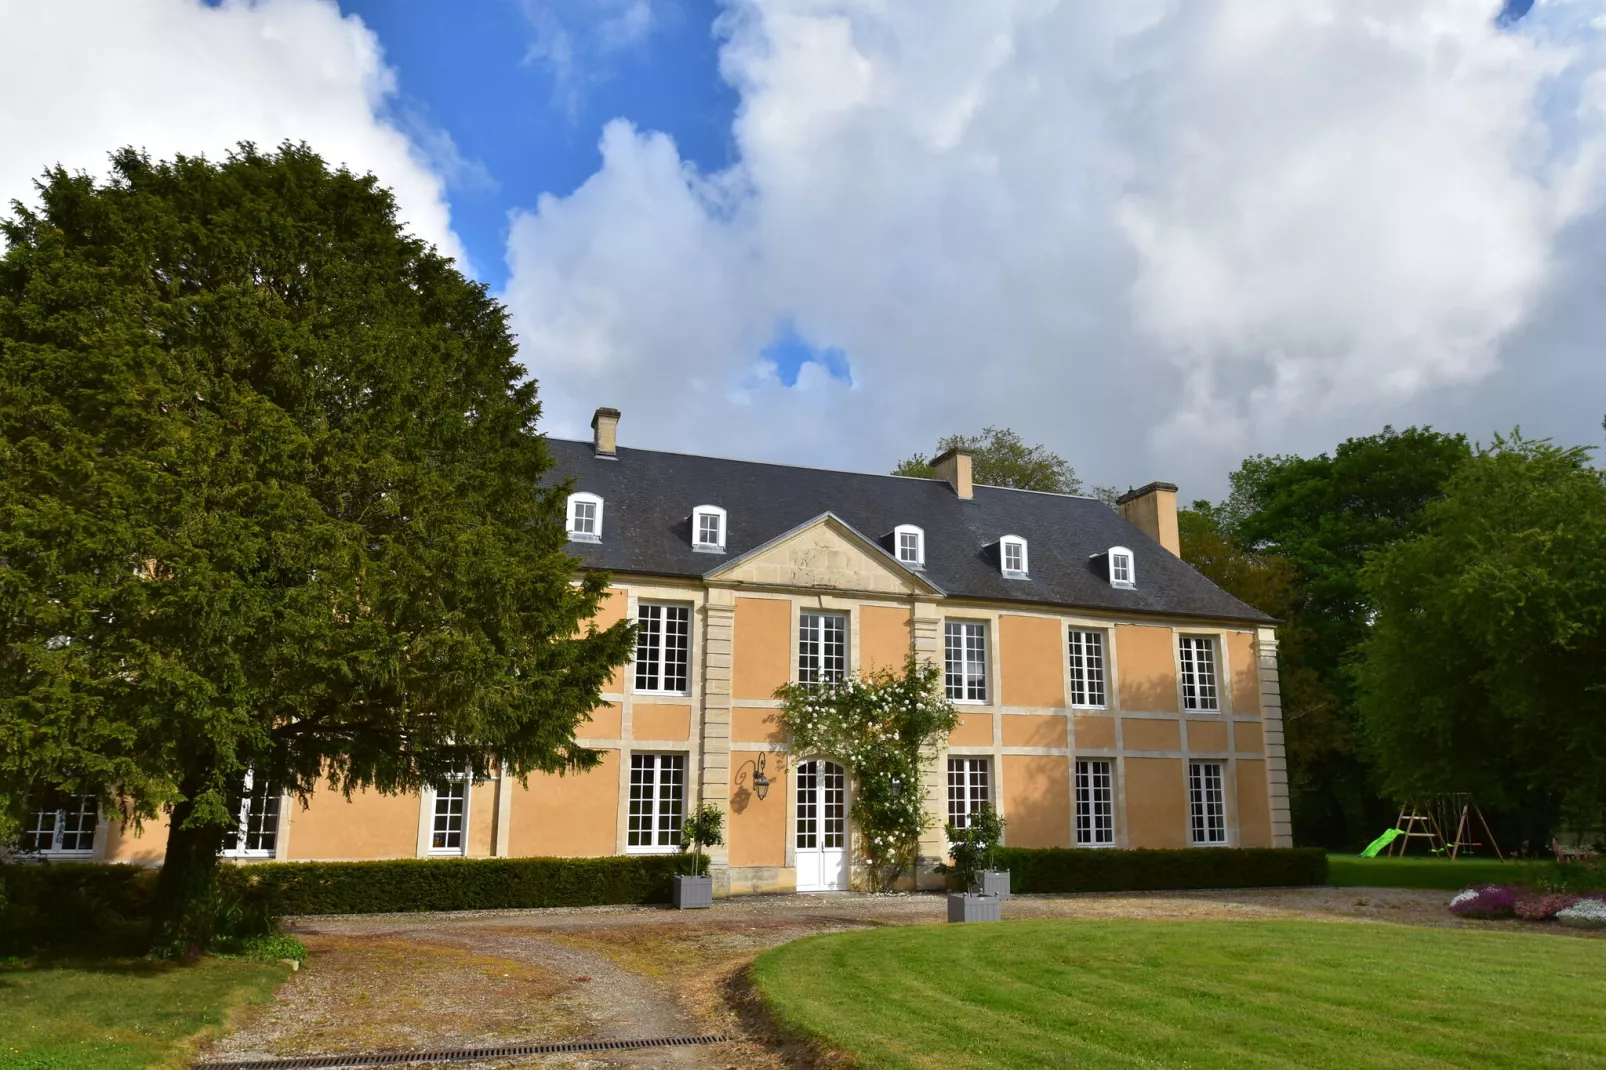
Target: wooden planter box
x=992 y=882
x=693 y=893
x=968 y=906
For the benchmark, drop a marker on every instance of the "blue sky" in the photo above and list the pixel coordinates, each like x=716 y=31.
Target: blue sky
x=474 y=70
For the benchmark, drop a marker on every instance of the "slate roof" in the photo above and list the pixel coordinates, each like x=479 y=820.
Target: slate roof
x=648 y=497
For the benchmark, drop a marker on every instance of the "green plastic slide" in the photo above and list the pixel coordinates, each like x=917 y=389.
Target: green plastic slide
x=1375 y=848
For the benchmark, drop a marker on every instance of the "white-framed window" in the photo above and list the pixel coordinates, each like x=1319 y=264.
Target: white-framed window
x=1012 y=556
x=257 y=835
x=585 y=517
x=1087 y=667
x=969 y=788
x=63 y=825
x=1095 y=804
x=663 y=648
x=1198 y=657
x=657 y=802
x=1123 y=567
x=910 y=544
x=964 y=660
x=822 y=648
x=708 y=528
x=449 y=828
x=1207 y=804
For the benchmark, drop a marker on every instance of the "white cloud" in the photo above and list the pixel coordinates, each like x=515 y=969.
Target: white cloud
x=574 y=39
x=84 y=77
x=1155 y=234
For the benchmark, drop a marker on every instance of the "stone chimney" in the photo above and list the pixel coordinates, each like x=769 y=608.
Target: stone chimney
x=605 y=436
x=954 y=466
x=1153 y=511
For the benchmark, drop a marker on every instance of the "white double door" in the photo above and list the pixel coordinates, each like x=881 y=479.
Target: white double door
x=821 y=836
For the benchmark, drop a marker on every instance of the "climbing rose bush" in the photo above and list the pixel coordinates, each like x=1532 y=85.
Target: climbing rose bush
x=881 y=726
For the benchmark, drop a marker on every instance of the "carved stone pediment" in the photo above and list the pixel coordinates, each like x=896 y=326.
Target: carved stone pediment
x=824 y=552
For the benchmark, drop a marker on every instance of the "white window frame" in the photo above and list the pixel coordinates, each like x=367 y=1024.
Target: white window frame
x=1095 y=802
x=584 y=497
x=919 y=536
x=822 y=650
x=1207 y=804
x=1088 y=680
x=970 y=787
x=1005 y=544
x=646 y=634
x=1116 y=555
x=1199 y=673
x=961 y=689
x=82 y=806
x=272 y=811
x=455 y=782
x=647 y=786
x=697 y=541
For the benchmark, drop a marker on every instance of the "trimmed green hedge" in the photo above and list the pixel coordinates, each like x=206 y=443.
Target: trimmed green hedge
x=1349 y=871
x=1060 y=869
x=106 y=907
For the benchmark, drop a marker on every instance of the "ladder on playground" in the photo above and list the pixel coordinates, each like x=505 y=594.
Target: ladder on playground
x=1413 y=824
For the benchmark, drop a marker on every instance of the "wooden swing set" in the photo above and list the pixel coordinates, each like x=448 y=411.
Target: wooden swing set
x=1428 y=822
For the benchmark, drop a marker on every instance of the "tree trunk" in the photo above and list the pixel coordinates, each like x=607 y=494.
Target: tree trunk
x=186 y=905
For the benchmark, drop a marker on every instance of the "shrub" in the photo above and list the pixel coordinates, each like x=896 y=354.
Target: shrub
x=1061 y=869
x=75 y=906
x=1587 y=913
x=1542 y=906
x=1487 y=901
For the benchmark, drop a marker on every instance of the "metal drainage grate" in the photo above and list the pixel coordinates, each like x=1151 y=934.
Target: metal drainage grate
x=456 y=1055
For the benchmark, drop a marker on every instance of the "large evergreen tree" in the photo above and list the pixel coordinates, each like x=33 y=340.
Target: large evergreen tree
x=271 y=499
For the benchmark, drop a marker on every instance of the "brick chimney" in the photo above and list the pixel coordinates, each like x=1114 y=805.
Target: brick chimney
x=605 y=433
x=1153 y=510
x=954 y=466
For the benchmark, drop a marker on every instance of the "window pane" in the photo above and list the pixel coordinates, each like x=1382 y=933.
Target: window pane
x=834 y=821
x=643 y=792
x=708 y=529
x=1198 y=657
x=1087 y=668
x=1207 y=809
x=41 y=832
x=663 y=648
x=451 y=807
x=808 y=810
x=262 y=820
x=1095 y=803
x=649 y=646
x=671 y=798
x=908 y=546
x=968 y=789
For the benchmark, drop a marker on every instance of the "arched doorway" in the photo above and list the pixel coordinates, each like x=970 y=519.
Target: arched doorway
x=821 y=835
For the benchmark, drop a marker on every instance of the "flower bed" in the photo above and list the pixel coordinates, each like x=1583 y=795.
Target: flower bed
x=1494 y=901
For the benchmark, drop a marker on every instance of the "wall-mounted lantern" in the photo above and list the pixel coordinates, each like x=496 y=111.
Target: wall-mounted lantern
x=761 y=783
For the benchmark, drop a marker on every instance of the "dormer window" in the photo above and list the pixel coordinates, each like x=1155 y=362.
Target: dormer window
x=910 y=544
x=1123 y=573
x=585 y=517
x=1012 y=556
x=708 y=529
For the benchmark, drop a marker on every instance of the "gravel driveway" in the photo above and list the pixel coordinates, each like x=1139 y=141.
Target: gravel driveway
x=430 y=981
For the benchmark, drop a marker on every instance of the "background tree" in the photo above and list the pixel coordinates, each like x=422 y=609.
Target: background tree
x=271 y=499
x=1001 y=459
x=1485 y=669
x=1291 y=540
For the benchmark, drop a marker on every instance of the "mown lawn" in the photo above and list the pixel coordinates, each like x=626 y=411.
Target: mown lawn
x=1098 y=994
x=120 y=1014
x=1350 y=871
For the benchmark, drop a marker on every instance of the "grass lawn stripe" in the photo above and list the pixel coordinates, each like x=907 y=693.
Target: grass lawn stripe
x=1203 y=994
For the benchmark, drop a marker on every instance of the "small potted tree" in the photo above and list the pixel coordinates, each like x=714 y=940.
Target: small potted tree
x=704 y=828
x=972 y=850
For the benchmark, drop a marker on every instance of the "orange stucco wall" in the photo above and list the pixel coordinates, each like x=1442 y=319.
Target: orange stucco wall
x=757 y=827
x=368 y=825
x=1147 y=733
x=762 y=647
x=1095 y=733
x=1037 y=801
x=1254 y=805
x=575 y=815
x=749 y=725
x=975 y=730
x=1148 y=668
x=1156 y=803
x=614 y=606
x=146 y=844
x=1248 y=738
x=884 y=637
x=1207 y=736
x=1030 y=656
x=481 y=819
x=652 y=720
x=1245 y=673
x=604 y=723
x=1034 y=730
